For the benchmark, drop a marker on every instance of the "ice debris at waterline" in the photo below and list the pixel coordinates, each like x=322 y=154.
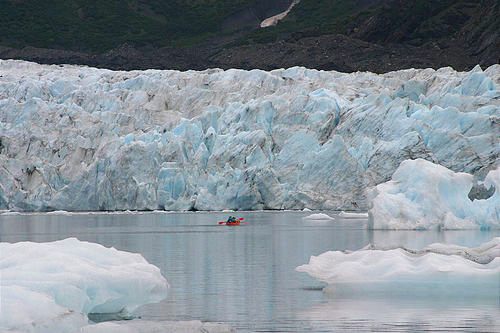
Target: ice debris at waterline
x=77 y=138
x=353 y=215
x=438 y=268
x=52 y=287
x=319 y=216
x=423 y=195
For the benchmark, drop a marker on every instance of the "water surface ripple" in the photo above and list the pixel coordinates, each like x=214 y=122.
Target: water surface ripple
x=245 y=276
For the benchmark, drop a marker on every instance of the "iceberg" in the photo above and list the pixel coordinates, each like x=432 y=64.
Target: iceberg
x=25 y=311
x=52 y=287
x=352 y=215
x=423 y=195
x=319 y=216
x=437 y=269
x=60 y=212
x=75 y=138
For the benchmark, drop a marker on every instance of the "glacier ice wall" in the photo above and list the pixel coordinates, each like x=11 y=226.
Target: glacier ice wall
x=423 y=195
x=77 y=138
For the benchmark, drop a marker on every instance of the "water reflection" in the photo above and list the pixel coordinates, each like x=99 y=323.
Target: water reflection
x=245 y=276
x=403 y=315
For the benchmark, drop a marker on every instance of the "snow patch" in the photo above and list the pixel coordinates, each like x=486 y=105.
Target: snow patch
x=274 y=20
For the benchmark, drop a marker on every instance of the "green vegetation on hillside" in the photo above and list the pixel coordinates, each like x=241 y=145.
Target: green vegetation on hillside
x=312 y=18
x=373 y=20
x=101 y=25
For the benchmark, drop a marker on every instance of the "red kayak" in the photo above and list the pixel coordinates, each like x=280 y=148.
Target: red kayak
x=235 y=223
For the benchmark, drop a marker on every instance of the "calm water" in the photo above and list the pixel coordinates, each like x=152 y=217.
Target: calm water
x=245 y=275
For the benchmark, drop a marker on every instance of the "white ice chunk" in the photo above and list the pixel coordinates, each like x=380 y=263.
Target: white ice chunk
x=423 y=195
x=59 y=283
x=24 y=310
x=319 y=216
x=10 y=213
x=353 y=215
x=59 y=212
x=438 y=268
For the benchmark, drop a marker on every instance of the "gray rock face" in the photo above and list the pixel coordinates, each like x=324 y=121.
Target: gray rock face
x=77 y=138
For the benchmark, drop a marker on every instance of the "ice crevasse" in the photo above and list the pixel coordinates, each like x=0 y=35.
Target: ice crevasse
x=423 y=195
x=77 y=139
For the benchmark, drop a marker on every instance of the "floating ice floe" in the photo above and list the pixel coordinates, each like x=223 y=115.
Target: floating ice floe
x=84 y=139
x=23 y=310
x=423 y=195
x=438 y=268
x=59 y=212
x=319 y=216
x=10 y=213
x=52 y=287
x=353 y=215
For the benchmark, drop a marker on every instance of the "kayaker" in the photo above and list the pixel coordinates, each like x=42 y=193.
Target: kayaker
x=231 y=219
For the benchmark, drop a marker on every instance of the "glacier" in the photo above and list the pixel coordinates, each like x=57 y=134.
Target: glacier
x=440 y=269
x=52 y=287
x=423 y=195
x=75 y=138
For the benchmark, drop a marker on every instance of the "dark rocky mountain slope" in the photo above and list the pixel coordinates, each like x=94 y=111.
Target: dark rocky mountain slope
x=374 y=35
